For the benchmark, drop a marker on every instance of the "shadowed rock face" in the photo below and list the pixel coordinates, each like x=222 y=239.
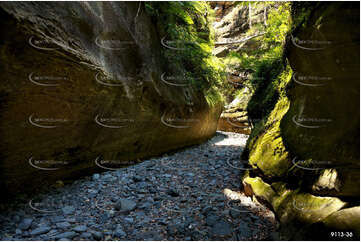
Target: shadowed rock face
x=81 y=84
x=308 y=159
x=323 y=122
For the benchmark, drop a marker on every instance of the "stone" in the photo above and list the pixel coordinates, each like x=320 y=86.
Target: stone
x=225 y=212
x=57 y=219
x=206 y=210
x=125 y=205
x=70 y=220
x=234 y=213
x=119 y=232
x=149 y=236
x=137 y=178
x=299 y=206
x=68 y=210
x=146 y=205
x=63 y=225
x=219 y=199
x=103 y=218
x=162 y=221
x=40 y=230
x=172 y=230
x=212 y=219
x=243 y=230
x=97 y=235
x=129 y=219
x=86 y=235
x=107 y=177
x=65 y=235
x=80 y=228
x=222 y=229
x=172 y=193
x=25 y=223
x=338 y=182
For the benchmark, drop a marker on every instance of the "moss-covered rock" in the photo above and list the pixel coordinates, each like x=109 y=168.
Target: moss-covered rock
x=293 y=205
x=324 y=106
x=347 y=220
x=267 y=152
x=337 y=182
x=234 y=122
x=305 y=147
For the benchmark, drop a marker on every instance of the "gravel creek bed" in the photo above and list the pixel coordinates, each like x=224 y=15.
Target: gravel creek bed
x=192 y=194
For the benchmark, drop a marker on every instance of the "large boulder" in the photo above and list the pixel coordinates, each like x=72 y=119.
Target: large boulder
x=322 y=123
x=82 y=88
x=293 y=206
x=347 y=219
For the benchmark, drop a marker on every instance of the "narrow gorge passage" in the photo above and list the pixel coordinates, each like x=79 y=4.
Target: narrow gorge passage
x=192 y=194
x=180 y=120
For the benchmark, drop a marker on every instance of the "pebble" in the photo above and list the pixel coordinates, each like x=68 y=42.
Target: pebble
x=212 y=219
x=63 y=225
x=129 y=219
x=172 y=193
x=137 y=178
x=119 y=233
x=234 y=213
x=206 y=210
x=86 y=235
x=57 y=219
x=222 y=229
x=243 y=230
x=40 y=230
x=65 y=235
x=96 y=177
x=125 y=205
x=80 y=228
x=25 y=224
x=97 y=235
x=177 y=197
x=68 y=210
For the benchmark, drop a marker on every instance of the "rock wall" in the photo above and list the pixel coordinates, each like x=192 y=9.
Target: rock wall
x=82 y=88
x=306 y=156
x=232 y=24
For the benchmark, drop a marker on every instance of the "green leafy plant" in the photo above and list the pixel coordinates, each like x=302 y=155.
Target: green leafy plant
x=266 y=62
x=186 y=25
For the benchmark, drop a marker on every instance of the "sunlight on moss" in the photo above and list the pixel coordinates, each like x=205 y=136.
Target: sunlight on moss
x=189 y=23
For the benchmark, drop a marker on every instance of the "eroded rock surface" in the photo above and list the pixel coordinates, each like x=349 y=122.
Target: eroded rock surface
x=306 y=155
x=81 y=87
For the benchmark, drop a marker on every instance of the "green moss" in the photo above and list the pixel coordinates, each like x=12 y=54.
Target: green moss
x=260 y=188
x=267 y=151
x=188 y=25
x=346 y=219
x=265 y=145
x=294 y=205
x=275 y=139
x=301 y=12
